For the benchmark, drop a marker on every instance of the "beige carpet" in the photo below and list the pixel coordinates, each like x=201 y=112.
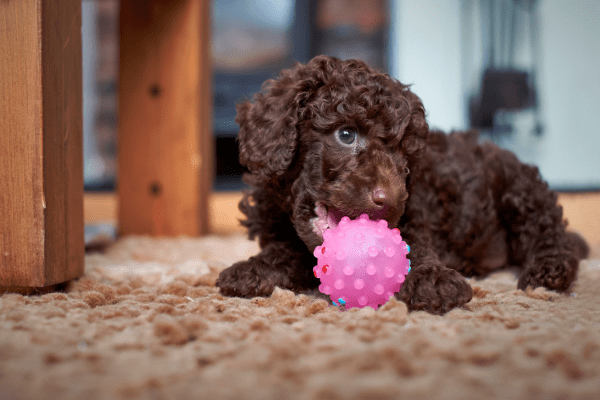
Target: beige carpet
x=147 y=322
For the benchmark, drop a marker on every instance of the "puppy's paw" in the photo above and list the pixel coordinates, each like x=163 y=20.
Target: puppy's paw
x=554 y=273
x=435 y=289
x=246 y=279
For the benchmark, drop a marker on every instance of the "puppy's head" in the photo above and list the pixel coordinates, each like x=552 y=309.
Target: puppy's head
x=338 y=137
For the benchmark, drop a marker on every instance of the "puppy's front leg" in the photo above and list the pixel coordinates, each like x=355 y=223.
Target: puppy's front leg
x=278 y=264
x=430 y=286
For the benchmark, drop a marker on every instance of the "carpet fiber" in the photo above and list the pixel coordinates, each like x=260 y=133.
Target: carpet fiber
x=147 y=322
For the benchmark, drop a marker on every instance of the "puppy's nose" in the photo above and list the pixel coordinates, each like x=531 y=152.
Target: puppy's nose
x=383 y=197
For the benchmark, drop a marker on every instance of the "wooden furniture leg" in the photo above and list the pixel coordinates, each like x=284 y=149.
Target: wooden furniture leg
x=41 y=159
x=165 y=140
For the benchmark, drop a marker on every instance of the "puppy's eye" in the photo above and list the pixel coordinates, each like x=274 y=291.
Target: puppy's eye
x=346 y=135
x=406 y=170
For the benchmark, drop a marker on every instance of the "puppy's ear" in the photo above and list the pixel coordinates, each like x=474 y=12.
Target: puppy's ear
x=268 y=124
x=417 y=130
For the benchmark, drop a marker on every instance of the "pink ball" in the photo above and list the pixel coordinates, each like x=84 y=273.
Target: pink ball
x=361 y=262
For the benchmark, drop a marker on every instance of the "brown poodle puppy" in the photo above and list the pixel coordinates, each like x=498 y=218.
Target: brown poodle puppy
x=334 y=138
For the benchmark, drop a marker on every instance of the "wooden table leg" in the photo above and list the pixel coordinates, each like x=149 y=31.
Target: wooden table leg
x=41 y=159
x=165 y=130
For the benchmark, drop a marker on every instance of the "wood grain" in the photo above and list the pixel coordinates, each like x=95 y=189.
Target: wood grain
x=21 y=200
x=41 y=165
x=165 y=136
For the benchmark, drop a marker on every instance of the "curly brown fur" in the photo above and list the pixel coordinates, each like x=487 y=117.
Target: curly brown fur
x=333 y=138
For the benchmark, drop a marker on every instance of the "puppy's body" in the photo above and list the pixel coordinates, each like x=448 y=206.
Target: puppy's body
x=334 y=138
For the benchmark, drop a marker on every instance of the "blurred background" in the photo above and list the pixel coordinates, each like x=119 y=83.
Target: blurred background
x=522 y=72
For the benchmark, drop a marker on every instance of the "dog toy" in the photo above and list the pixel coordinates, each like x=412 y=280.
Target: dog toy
x=361 y=262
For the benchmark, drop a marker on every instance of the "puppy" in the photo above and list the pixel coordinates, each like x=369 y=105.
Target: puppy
x=333 y=138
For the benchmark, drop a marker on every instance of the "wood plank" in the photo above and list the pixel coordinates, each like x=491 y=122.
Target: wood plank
x=165 y=138
x=100 y=207
x=41 y=165
x=582 y=210
x=224 y=213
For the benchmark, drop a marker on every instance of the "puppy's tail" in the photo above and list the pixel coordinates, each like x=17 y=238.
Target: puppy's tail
x=582 y=249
